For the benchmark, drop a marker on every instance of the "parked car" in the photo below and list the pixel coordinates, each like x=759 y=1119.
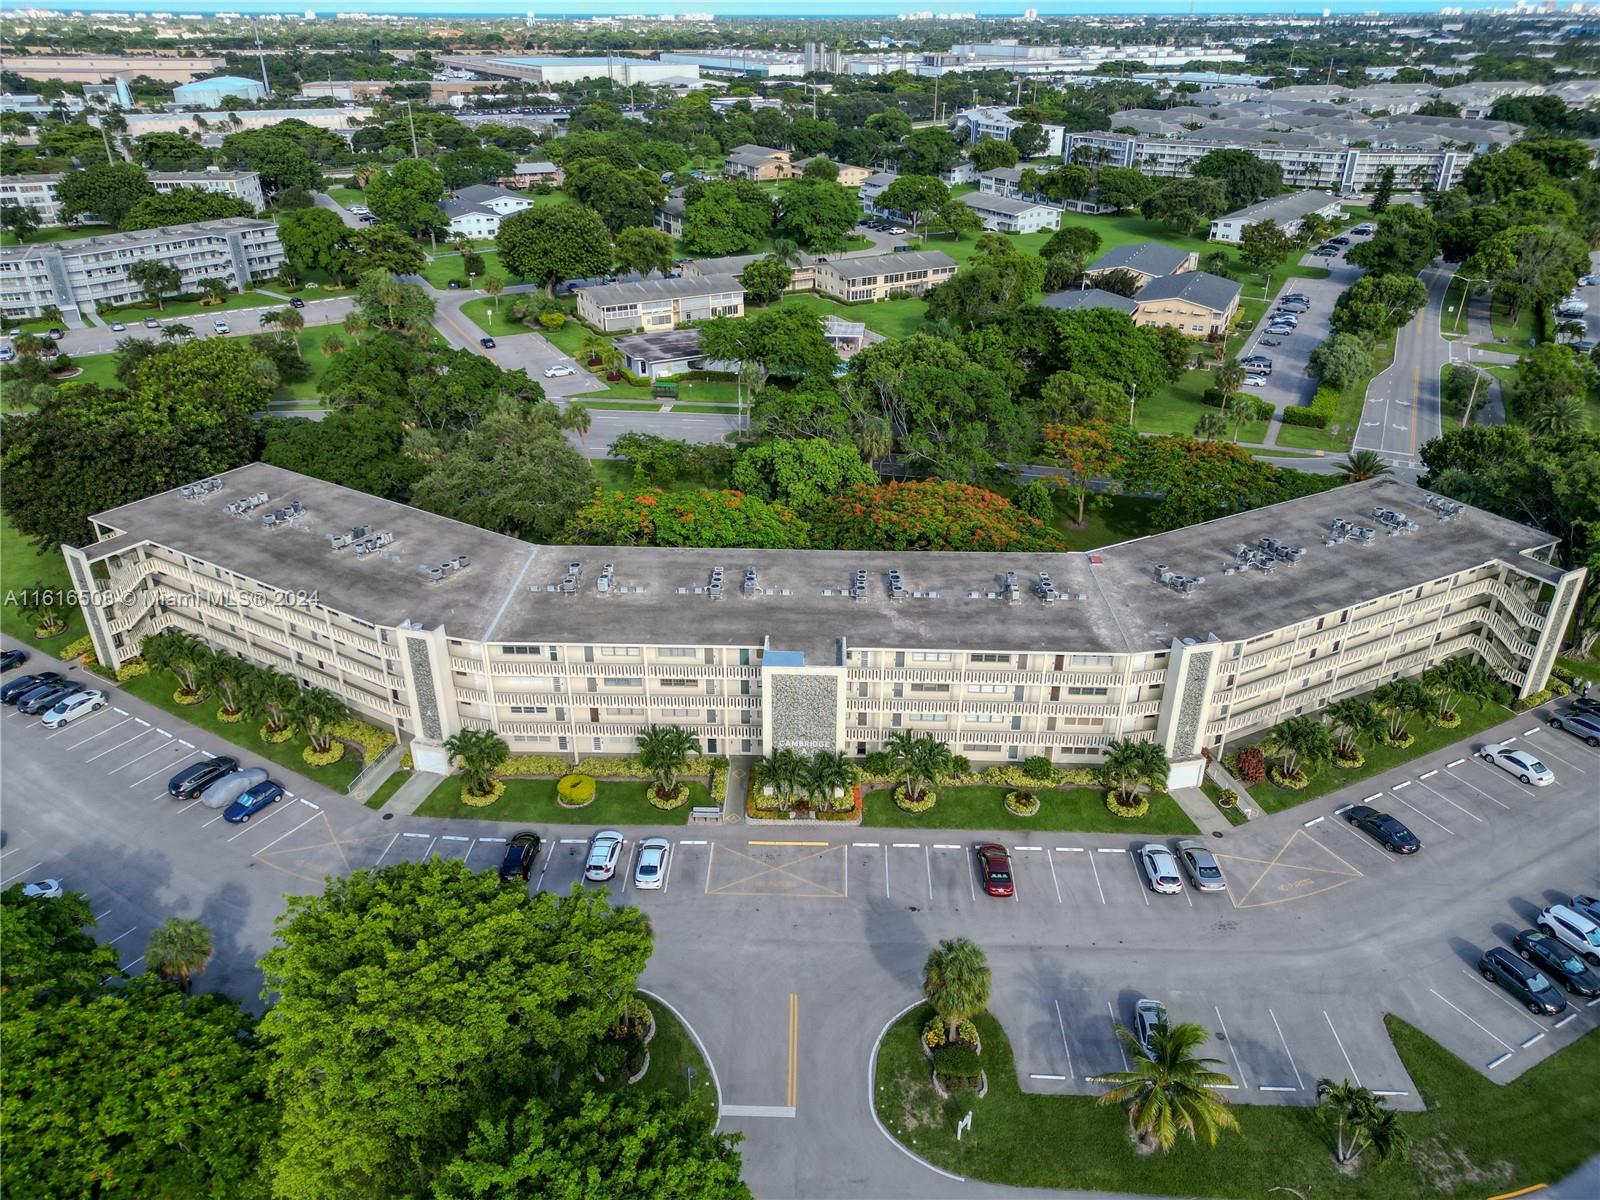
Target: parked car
x=12 y=658
x=1160 y=869
x=1284 y=317
x=1557 y=961
x=7 y=354
x=994 y=865
x=55 y=333
x=1587 y=281
x=44 y=889
x=1528 y=984
x=151 y=323
x=1271 y=341
x=520 y=853
x=23 y=684
x=1579 y=725
x=897 y=230
x=650 y=872
x=1280 y=331
x=79 y=704
x=296 y=302
x=118 y=327
x=1364 y=230
x=1256 y=380
x=1389 y=832
x=1326 y=251
x=41 y=700
x=220 y=327
x=486 y=342
x=1295 y=298
x=603 y=854
x=1200 y=865
x=1572 y=927
x=1519 y=763
x=558 y=371
x=191 y=781
x=231 y=786
x=1148 y=1016
x=1588 y=906
x=1339 y=241
x=1256 y=360
x=253 y=801
x=1584 y=705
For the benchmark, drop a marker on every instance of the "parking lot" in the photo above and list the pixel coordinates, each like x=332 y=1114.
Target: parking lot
x=1290 y=383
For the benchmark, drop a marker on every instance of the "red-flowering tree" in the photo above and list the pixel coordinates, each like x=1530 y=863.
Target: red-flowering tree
x=936 y=514
x=1093 y=450
x=652 y=517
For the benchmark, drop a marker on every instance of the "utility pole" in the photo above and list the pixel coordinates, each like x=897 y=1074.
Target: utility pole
x=261 y=56
x=411 y=117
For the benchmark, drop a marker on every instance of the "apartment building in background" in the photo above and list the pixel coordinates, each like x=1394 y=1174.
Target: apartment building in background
x=1186 y=639
x=879 y=276
x=984 y=124
x=82 y=275
x=38 y=192
x=1006 y=214
x=655 y=304
x=761 y=163
x=1286 y=212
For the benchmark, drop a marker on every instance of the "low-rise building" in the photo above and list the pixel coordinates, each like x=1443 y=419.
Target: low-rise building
x=210 y=93
x=986 y=123
x=476 y=211
x=660 y=355
x=80 y=276
x=37 y=192
x=1196 y=303
x=761 y=163
x=531 y=174
x=1003 y=214
x=1286 y=212
x=1078 y=299
x=241 y=185
x=657 y=304
x=669 y=217
x=878 y=276
x=1147 y=260
x=850 y=175
x=802 y=271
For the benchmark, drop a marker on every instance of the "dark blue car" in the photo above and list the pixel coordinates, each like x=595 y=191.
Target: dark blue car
x=253 y=801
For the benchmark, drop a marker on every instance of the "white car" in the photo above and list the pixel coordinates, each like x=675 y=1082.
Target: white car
x=1148 y=1016
x=220 y=327
x=603 y=854
x=1256 y=380
x=651 y=869
x=73 y=707
x=45 y=889
x=118 y=327
x=1519 y=763
x=1160 y=869
x=1571 y=927
x=896 y=230
x=558 y=371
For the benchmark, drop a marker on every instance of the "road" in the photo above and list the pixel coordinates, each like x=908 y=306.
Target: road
x=1402 y=409
x=241 y=322
x=789 y=950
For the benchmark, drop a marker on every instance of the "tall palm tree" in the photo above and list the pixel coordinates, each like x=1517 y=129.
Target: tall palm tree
x=1129 y=764
x=331 y=345
x=593 y=346
x=1362 y=1121
x=179 y=949
x=1563 y=414
x=1363 y=464
x=921 y=758
x=1211 y=425
x=354 y=325
x=783 y=771
x=786 y=251
x=1299 y=741
x=575 y=417
x=494 y=285
x=1229 y=377
x=363 y=176
x=271 y=696
x=874 y=438
x=228 y=676
x=664 y=751
x=41 y=607
x=956 y=980
x=185 y=655
x=318 y=710
x=1238 y=409
x=1399 y=699
x=291 y=322
x=479 y=752
x=1354 y=720
x=1170 y=1090
x=829 y=771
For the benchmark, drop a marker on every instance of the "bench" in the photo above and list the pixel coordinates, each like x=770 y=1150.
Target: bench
x=703 y=815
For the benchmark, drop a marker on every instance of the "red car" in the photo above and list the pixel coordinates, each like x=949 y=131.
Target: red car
x=995 y=864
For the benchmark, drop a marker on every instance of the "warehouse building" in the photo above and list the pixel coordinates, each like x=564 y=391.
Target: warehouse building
x=1187 y=639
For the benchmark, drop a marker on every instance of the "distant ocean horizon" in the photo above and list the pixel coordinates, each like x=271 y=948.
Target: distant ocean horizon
x=861 y=10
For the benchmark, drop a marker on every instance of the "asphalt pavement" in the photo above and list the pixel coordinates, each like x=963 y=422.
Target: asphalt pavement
x=1402 y=411
x=102 y=339
x=789 y=949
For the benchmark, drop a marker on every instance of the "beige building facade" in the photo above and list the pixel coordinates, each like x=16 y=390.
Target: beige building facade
x=1187 y=639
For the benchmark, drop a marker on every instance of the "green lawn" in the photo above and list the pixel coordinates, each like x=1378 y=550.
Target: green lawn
x=1519 y=331
x=1476 y=1138
x=569 y=339
x=22 y=567
x=892 y=318
x=1176 y=407
x=188 y=308
x=625 y=405
x=1080 y=809
x=311 y=341
x=157 y=689
x=491 y=318
x=1476 y=716
x=345 y=195
x=445 y=266
x=617 y=476
x=1212 y=791
x=673 y=1055
x=99 y=369
x=1341 y=431
x=388 y=788
x=1107 y=519
x=534 y=801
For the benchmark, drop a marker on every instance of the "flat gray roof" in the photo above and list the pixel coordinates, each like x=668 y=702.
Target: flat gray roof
x=669 y=345
x=1283 y=208
x=1124 y=610
x=141 y=237
x=995 y=202
x=662 y=289
x=880 y=264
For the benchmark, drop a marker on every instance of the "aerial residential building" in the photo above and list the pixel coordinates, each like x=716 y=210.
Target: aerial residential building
x=879 y=276
x=1147 y=260
x=850 y=175
x=1195 y=302
x=802 y=271
x=669 y=217
x=1003 y=214
x=987 y=123
x=531 y=174
x=1286 y=212
x=871 y=188
x=38 y=192
x=1077 y=299
x=476 y=211
x=79 y=276
x=1187 y=639
x=660 y=355
x=656 y=304
x=210 y=93
x=761 y=163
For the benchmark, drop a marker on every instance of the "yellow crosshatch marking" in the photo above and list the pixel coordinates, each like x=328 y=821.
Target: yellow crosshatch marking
x=816 y=874
x=296 y=857
x=1290 y=880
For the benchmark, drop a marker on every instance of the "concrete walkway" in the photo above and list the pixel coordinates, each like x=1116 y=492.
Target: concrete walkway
x=1199 y=809
x=412 y=793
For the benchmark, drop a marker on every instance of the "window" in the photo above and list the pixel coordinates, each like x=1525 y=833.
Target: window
x=991 y=689
x=936 y=718
x=622 y=681
x=941 y=688
x=678 y=683
x=530 y=710
x=984 y=719
x=675 y=652
x=625 y=712
x=619 y=651
x=930 y=656
x=989 y=658
x=1088 y=691
x=519 y=649
x=1091 y=660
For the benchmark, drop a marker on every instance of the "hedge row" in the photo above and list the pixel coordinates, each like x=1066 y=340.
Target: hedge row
x=1319 y=414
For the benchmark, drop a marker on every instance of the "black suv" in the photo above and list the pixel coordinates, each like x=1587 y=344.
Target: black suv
x=23 y=684
x=191 y=781
x=42 y=699
x=520 y=853
x=1559 y=963
x=1523 y=980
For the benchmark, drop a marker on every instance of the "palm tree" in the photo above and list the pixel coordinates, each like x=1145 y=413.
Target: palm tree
x=1354 y=720
x=956 y=980
x=184 y=655
x=786 y=251
x=874 y=438
x=318 y=711
x=828 y=772
x=363 y=176
x=271 y=696
x=291 y=322
x=1211 y=425
x=179 y=949
x=1563 y=414
x=44 y=610
x=1129 y=764
x=921 y=758
x=783 y=771
x=1363 y=1121
x=664 y=751
x=1170 y=1090
x=331 y=345
x=494 y=285
x=1299 y=740
x=479 y=751
x=1238 y=409
x=228 y=676
x=1363 y=464
x=1229 y=377
x=354 y=325
x=593 y=348
x=1399 y=699
x=575 y=418
x=173 y=333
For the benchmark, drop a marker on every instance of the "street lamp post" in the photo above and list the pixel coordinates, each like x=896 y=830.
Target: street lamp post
x=1132 y=397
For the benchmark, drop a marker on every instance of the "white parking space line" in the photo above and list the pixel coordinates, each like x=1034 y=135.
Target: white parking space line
x=1138 y=879
x=1504 y=999
x=22 y=874
x=886 y=872
x=1423 y=815
x=1479 y=790
x=1568 y=1019
x=281 y=836
x=1363 y=839
x=927 y=860
x=131 y=761
x=1567 y=762
x=92 y=736
x=1061 y=1024
x=1298 y=1082
x=1237 y=1065
x=1049 y=858
x=130 y=966
x=213 y=820
x=1096 y=871
x=629 y=864
x=257 y=821
x=122 y=935
x=1113 y=1015
x=1504 y=1045
x=386 y=850
x=118 y=746
x=1449 y=801
x=1342 y=1050
x=666 y=875
x=75 y=726
x=161 y=771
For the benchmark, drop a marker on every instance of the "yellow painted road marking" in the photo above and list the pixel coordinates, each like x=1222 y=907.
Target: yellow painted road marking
x=788 y=843
x=794 y=1049
x=1538 y=1187
x=775 y=873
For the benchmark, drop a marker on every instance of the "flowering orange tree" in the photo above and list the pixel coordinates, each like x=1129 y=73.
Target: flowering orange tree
x=935 y=514
x=651 y=517
x=1093 y=450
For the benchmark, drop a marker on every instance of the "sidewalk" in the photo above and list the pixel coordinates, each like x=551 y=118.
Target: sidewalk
x=1198 y=808
x=412 y=793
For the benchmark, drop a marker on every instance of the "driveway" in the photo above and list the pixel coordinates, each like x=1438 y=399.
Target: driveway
x=241 y=321
x=323 y=200
x=1290 y=383
x=1402 y=410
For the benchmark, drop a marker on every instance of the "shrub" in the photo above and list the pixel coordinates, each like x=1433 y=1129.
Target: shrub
x=933 y=1033
x=132 y=669
x=1402 y=742
x=184 y=697
x=1127 y=809
x=1448 y=721
x=315 y=758
x=960 y=764
x=1022 y=804
x=878 y=765
x=553 y=320
x=667 y=801
x=473 y=800
x=1228 y=798
x=920 y=804
x=230 y=718
x=574 y=791
x=1559 y=687
x=369 y=739
x=635 y=1020
x=78 y=647
x=274 y=737
x=1319 y=413
x=1355 y=760
x=1037 y=766
x=957 y=1067
x=1250 y=765
x=406 y=762
x=1532 y=700
x=1293 y=782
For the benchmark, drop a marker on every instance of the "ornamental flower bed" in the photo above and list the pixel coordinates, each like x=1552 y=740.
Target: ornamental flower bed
x=575 y=791
x=915 y=804
x=1119 y=806
x=1023 y=804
